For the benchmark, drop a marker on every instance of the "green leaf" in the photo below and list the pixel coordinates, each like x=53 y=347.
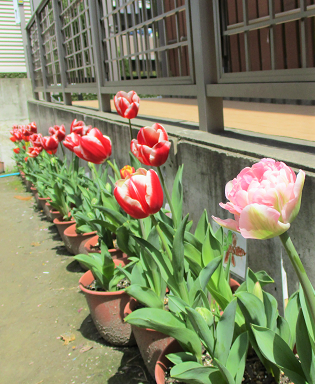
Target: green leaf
x=291 y=314
x=211 y=248
x=225 y=330
x=279 y=353
x=225 y=373
x=195 y=373
x=283 y=330
x=208 y=271
x=178 y=251
x=177 y=196
x=252 y=308
x=181 y=357
x=138 y=275
x=201 y=328
x=145 y=296
x=237 y=357
x=168 y=324
x=264 y=278
x=305 y=349
x=202 y=226
x=271 y=310
x=307 y=317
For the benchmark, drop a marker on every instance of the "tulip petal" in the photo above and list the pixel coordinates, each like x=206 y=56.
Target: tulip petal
x=154 y=192
x=228 y=223
x=261 y=222
x=291 y=209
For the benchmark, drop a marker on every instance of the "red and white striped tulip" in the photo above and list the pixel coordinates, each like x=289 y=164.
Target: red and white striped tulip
x=127 y=104
x=152 y=146
x=93 y=147
x=35 y=139
x=31 y=127
x=59 y=131
x=34 y=151
x=50 y=144
x=80 y=128
x=140 y=194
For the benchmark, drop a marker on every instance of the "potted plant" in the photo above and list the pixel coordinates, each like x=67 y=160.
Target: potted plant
x=103 y=285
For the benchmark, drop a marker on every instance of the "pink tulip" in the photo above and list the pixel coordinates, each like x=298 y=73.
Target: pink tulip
x=264 y=199
x=80 y=128
x=126 y=171
x=50 y=144
x=140 y=194
x=59 y=131
x=152 y=146
x=127 y=104
x=93 y=147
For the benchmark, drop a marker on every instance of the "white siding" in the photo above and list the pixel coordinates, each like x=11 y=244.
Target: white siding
x=12 y=58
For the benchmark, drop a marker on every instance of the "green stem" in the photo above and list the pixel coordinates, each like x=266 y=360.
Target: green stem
x=168 y=198
x=142 y=229
x=130 y=130
x=300 y=271
x=63 y=150
x=114 y=169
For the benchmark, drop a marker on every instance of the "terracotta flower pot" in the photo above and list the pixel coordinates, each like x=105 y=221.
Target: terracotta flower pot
x=23 y=176
x=75 y=242
x=43 y=201
x=36 y=197
x=28 y=185
x=151 y=343
x=50 y=214
x=107 y=311
x=163 y=362
x=62 y=226
x=88 y=246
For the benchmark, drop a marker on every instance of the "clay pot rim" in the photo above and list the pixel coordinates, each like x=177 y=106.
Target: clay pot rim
x=33 y=189
x=162 y=362
x=74 y=234
x=128 y=309
x=56 y=221
x=89 y=275
x=44 y=198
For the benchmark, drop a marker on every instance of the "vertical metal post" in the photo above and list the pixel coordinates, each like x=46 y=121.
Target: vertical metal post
x=42 y=56
x=61 y=53
x=303 y=6
x=206 y=68
x=103 y=99
x=24 y=37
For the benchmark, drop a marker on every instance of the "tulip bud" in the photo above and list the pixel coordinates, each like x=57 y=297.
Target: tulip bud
x=108 y=187
x=91 y=215
x=206 y=314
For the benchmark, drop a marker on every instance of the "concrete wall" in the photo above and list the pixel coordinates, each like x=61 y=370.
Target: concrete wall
x=14 y=94
x=210 y=161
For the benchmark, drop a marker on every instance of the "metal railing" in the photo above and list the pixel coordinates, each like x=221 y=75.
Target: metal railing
x=208 y=49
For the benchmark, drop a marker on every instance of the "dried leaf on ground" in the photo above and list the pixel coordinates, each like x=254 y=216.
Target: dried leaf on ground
x=86 y=348
x=25 y=198
x=68 y=337
x=35 y=244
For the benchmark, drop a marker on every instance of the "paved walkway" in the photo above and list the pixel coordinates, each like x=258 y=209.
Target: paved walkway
x=295 y=121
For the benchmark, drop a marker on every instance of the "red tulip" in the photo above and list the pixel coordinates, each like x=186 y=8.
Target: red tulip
x=140 y=194
x=126 y=171
x=25 y=159
x=93 y=147
x=35 y=139
x=16 y=150
x=127 y=104
x=80 y=128
x=50 y=144
x=13 y=138
x=152 y=145
x=60 y=132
